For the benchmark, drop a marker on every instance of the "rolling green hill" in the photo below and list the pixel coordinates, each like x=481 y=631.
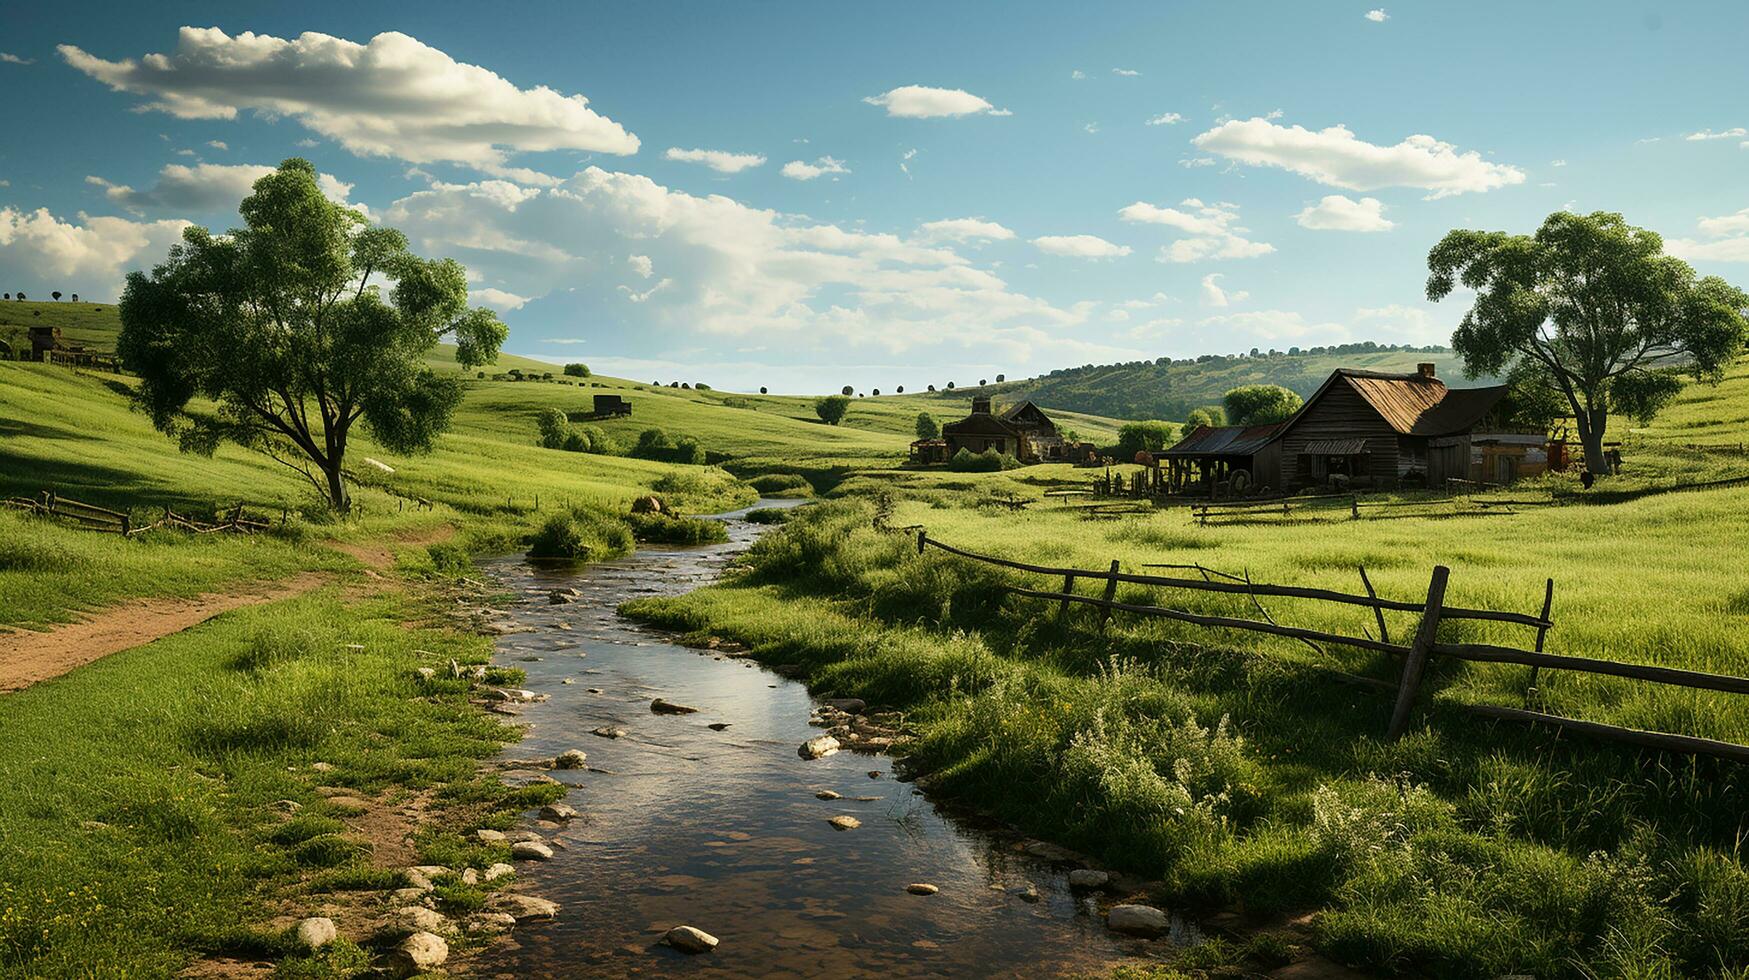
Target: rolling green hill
x=1168 y=389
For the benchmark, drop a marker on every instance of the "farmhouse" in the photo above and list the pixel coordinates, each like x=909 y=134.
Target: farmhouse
x=1023 y=431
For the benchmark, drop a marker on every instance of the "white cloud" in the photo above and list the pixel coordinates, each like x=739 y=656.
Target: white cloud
x=218 y=144
x=1334 y=156
x=1401 y=323
x=1727 y=224
x=1729 y=134
x=1729 y=240
x=729 y=270
x=800 y=170
x=1166 y=119
x=1213 y=230
x=41 y=252
x=1191 y=163
x=1080 y=246
x=393 y=97
x=1126 y=72
x=1078 y=75
x=641 y=265
x=1557 y=163
x=719 y=160
x=963 y=230
x=924 y=102
x=1377 y=15
x=497 y=299
x=1214 y=295
x=12 y=59
x=1091 y=128
x=905 y=161
x=1236 y=331
x=1338 y=212
x=208 y=188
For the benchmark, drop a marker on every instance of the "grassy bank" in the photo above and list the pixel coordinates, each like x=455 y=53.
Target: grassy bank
x=1241 y=774
x=141 y=813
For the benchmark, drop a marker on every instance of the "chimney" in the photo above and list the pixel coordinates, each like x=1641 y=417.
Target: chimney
x=981 y=405
x=1425 y=369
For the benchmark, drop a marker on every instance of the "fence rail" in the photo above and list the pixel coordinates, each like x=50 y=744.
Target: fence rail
x=1415 y=657
x=48 y=503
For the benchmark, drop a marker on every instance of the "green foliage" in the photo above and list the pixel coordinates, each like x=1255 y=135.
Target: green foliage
x=832 y=408
x=577 y=370
x=769 y=515
x=781 y=485
x=988 y=461
x=927 y=427
x=277 y=325
x=553 y=427
x=1213 y=415
x=1260 y=404
x=663 y=529
x=1598 y=305
x=581 y=534
x=1134 y=437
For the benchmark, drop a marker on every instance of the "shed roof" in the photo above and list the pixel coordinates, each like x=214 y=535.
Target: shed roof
x=1225 y=440
x=980 y=423
x=1412 y=404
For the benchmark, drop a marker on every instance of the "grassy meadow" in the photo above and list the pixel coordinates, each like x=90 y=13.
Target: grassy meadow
x=1236 y=770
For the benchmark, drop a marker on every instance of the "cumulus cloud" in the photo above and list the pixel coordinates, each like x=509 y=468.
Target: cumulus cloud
x=1214 y=295
x=1166 y=119
x=1335 y=157
x=1401 y=323
x=1080 y=246
x=963 y=230
x=1264 y=326
x=728 y=270
x=12 y=59
x=220 y=145
x=1377 y=15
x=89 y=257
x=721 y=161
x=1213 y=230
x=642 y=265
x=1338 y=212
x=924 y=102
x=1728 y=240
x=207 y=188
x=1736 y=132
x=1126 y=72
x=497 y=299
x=1078 y=75
x=391 y=97
x=802 y=170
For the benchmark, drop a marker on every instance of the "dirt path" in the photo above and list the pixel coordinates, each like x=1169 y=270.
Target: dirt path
x=27 y=657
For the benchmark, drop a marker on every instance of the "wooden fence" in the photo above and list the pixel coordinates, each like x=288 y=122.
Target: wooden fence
x=95 y=518
x=1246 y=511
x=1415 y=656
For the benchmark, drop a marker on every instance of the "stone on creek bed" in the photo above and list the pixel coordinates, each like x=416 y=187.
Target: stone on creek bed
x=818 y=747
x=1138 y=920
x=662 y=706
x=688 y=939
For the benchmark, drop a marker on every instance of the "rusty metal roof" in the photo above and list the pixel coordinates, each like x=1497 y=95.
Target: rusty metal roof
x=1225 y=440
x=1335 y=447
x=1420 y=406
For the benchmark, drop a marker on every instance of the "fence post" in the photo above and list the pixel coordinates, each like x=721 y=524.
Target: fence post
x=1354 y=507
x=1416 y=662
x=1068 y=587
x=922 y=538
x=126 y=525
x=1542 y=632
x=1378 y=614
x=1110 y=593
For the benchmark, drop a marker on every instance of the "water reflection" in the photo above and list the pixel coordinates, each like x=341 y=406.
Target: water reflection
x=721 y=829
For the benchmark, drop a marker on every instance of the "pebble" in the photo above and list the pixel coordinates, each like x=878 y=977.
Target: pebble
x=717 y=726
x=818 y=747
x=921 y=888
x=664 y=707
x=690 y=940
x=608 y=731
x=844 y=823
x=850 y=706
x=1027 y=894
x=315 y=932
x=418 y=918
x=486 y=836
x=527 y=906
x=1141 y=920
x=418 y=953
x=558 y=811
x=827 y=794
x=496 y=871
x=1088 y=878
x=488 y=922
x=528 y=850
x=571 y=759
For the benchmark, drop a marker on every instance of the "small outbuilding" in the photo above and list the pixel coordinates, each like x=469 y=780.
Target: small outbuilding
x=1245 y=458
x=1023 y=431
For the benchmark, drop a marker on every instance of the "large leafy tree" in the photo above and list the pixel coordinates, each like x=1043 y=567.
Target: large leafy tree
x=1260 y=404
x=283 y=328
x=1591 y=310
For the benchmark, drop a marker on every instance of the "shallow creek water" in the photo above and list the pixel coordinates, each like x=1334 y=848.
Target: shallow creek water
x=721 y=830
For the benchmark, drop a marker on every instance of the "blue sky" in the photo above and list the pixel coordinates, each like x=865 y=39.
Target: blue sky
x=990 y=188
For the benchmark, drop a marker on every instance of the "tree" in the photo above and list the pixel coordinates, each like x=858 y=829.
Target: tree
x=847 y=391
x=762 y=390
x=577 y=370
x=899 y=390
x=1134 y=437
x=554 y=427
x=831 y=408
x=56 y=295
x=21 y=297
x=927 y=427
x=1595 y=303
x=875 y=392
x=950 y=386
x=75 y=297
x=1260 y=404
x=932 y=388
x=279 y=326
x=1211 y=415
x=1001 y=378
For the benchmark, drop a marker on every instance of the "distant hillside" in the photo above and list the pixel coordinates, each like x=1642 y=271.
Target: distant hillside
x=1169 y=389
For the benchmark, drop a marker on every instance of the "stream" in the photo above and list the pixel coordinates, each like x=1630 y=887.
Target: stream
x=683 y=824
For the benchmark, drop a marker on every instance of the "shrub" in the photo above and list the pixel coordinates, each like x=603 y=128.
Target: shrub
x=554 y=427
x=988 y=461
x=1212 y=415
x=576 y=442
x=663 y=529
x=1134 y=437
x=781 y=485
x=768 y=515
x=1260 y=404
x=581 y=534
x=577 y=370
x=653 y=440
x=927 y=427
x=831 y=408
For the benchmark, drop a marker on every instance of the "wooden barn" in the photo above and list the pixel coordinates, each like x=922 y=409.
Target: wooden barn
x=1244 y=459
x=1023 y=431
x=1371 y=429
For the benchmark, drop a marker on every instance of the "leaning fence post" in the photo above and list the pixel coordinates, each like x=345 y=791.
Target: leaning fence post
x=1416 y=662
x=922 y=539
x=1354 y=507
x=1377 y=612
x=1542 y=632
x=1110 y=593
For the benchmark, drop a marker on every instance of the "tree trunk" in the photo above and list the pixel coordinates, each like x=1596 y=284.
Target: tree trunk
x=338 y=497
x=1591 y=427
